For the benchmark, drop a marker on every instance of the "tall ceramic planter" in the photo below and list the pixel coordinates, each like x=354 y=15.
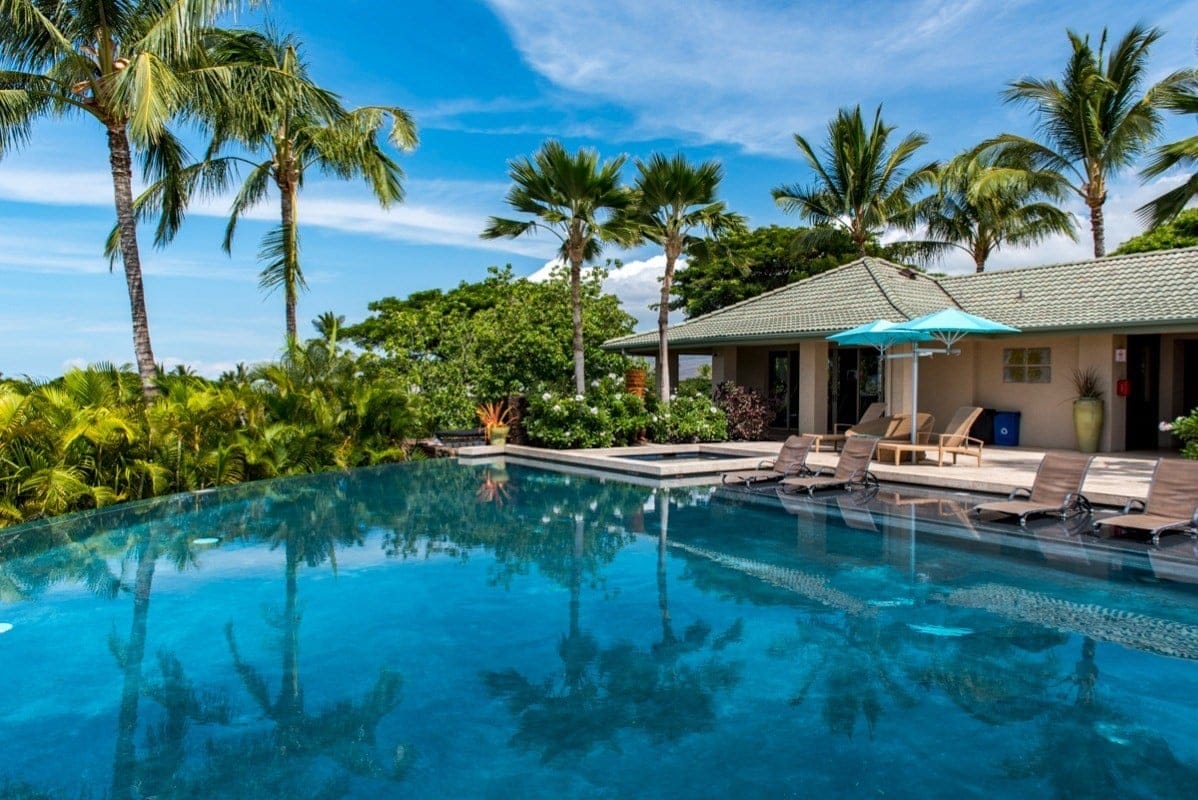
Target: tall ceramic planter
x=1087 y=423
x=634 y=381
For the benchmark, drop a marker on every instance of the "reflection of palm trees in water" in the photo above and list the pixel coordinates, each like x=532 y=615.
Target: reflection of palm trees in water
x=343 y=732
x=1087 y=747
x=605 y=690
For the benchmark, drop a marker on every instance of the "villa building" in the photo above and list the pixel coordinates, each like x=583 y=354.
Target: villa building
x=1132 y=318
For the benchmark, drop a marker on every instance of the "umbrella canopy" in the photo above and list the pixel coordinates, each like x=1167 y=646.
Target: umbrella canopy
x=880 y=333
x=950 y=325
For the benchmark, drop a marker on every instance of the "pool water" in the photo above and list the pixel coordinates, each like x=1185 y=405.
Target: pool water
x=435 y=630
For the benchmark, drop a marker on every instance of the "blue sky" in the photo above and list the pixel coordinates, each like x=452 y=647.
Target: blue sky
x=489 y=81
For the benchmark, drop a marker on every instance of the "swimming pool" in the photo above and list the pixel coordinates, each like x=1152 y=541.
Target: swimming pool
x=435 y=630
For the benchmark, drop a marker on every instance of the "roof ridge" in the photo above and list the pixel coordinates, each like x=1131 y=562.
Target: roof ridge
x=916 y=274
x=1104 y=260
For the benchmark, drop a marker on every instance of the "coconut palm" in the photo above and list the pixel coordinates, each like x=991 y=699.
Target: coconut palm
x=1182 y=153
x=130 y=66
x=672 y=198
x=977 y=216
x=573 y=197
x=862 y=184
x=296 y=127
x=1095 y=120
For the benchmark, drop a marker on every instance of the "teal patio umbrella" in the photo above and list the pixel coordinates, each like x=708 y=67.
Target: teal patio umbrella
x=882 y=334
x=947 y=326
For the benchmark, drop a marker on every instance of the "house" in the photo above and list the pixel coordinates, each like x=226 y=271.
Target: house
x=1132 y=318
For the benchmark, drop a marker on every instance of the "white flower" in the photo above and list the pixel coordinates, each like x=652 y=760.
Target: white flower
x=595 y=383
x=578 y=397
x=612 y=376
x=414 y=388
x=714 y=410
x=546 y=396
x=1166 y=426
x=557 y=409
x=594 y=410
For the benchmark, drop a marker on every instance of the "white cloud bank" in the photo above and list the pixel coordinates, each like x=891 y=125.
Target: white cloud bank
x=637 y=284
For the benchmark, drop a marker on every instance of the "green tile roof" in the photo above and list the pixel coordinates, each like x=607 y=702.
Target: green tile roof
x=1141 y=290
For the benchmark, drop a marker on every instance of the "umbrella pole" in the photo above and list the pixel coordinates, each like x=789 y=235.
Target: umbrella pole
x=914 y=391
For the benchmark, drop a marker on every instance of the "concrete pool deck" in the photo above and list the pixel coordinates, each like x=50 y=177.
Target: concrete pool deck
x=1112 y=480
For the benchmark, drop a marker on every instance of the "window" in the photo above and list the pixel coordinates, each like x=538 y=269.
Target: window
x=1027 y=365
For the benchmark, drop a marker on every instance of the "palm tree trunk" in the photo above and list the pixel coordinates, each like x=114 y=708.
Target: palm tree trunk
x=290 y=258
x=122 y=183
x=1098 y=226
x=124 y=761
x=663 y=326
x=580 y=377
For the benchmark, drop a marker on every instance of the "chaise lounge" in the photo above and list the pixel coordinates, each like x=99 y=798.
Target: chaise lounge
x=852 y=469
x=1171 y=505
x=791 y=461
x=954 y=441
x=875 y=411
x=1057 y=490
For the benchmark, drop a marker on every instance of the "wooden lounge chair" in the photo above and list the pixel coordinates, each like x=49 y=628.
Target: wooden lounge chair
x=852 y=469
x=954 y=440
x=875 y=411
x=1172 y=503
x=791 y=461
x=1057 y=489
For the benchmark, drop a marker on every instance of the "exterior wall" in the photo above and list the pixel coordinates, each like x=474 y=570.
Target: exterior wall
x=813 y=386
x=972 y=377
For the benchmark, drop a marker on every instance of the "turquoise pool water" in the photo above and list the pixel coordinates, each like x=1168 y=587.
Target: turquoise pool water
x=433 y=630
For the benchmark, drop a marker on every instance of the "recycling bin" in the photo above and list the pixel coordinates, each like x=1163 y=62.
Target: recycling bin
x=1006 y=428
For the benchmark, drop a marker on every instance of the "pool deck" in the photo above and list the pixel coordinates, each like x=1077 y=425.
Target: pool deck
x=1112 y=480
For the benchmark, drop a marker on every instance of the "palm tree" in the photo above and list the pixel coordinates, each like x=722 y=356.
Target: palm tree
x=296 y=126
x=573 y=197
x=1095 y=120
x=673 y=197
x=132 y=67
x=861 y=185
x=979 y=217
x=1182 y=153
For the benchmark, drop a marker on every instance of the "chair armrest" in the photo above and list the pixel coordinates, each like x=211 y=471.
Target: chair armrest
x=796 y=469
x=1136 y=506
x=766 y=463
x=1022 y=490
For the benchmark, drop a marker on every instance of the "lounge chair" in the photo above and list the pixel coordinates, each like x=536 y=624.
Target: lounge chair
x=791 y=461
x=852 y=469
x=1057 y=489
x=954 y=440
x=875 y=411
x=1172 y=503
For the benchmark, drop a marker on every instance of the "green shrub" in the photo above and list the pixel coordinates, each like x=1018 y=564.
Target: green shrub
x=605 y=417
x=688 y=418
x=1186 y=429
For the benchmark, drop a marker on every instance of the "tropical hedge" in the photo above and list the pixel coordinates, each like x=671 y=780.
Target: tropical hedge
x=88 y=438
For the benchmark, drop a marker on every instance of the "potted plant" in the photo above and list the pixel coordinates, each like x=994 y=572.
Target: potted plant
x=634 y=377
x=495 y=418
x=1087 y=408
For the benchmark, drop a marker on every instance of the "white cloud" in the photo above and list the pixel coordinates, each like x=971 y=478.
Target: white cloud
x=637 y=284
x=752 y=73
x=438 y=212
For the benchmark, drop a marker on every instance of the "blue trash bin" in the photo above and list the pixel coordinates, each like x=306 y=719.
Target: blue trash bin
x=1006 y=428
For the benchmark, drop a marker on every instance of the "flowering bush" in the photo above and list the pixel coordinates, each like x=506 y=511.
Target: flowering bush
x=688 y=418
x=605 y=417
x=748 y=412
x=1186 y=429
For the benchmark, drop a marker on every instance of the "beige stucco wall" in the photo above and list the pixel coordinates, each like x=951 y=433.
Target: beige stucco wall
x=972 y=377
